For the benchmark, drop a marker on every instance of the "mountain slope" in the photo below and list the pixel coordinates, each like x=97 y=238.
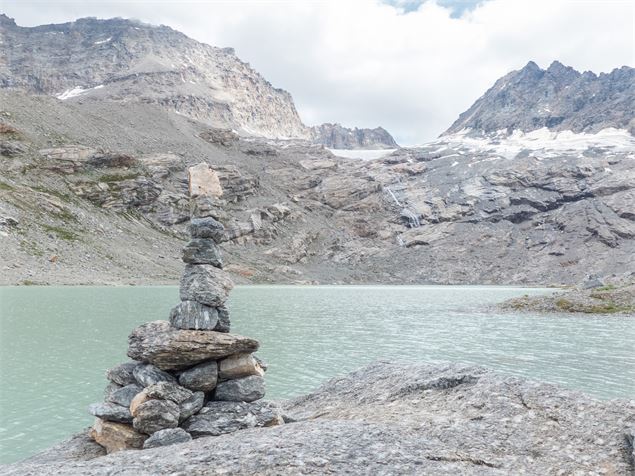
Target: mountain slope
x=125 y=60
x=129 y=61
x=559 y=98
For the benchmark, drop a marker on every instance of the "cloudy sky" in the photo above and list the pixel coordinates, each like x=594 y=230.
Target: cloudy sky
x=409 y=65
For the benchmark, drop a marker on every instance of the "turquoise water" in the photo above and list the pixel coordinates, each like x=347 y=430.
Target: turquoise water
x=57 y=342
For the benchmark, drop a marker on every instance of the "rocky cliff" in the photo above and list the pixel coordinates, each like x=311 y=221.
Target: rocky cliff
x=458 y=210
x=124 y=60
x=393 y=418
x=558 y=98
x=335 y=136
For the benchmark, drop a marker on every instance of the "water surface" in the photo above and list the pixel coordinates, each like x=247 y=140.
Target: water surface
x=57 y=342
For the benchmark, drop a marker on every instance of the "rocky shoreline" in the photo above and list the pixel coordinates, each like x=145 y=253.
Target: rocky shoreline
x=613 y=296
x=393 y=418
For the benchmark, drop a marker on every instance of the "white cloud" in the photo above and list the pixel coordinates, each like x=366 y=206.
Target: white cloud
x=368 y=63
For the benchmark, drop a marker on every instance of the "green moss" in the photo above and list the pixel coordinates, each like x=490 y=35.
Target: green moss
x=28 y=282
x=564 y=304
x=66 y=197
x=61 y=233
x=110 y=178
x=5 y=186
x=31 y=248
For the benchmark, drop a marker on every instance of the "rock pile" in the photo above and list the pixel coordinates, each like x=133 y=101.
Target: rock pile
x=189 y=376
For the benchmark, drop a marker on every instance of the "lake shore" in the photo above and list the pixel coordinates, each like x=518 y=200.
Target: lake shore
x=394 y=418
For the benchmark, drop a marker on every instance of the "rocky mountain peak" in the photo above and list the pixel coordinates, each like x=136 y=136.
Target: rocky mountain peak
x=559 y=98
x=125 y=60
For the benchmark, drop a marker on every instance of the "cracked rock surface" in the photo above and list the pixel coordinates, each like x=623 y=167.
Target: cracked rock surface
x=391 y=418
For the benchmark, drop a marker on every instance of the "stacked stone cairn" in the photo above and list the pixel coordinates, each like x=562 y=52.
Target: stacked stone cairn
x=189 y=377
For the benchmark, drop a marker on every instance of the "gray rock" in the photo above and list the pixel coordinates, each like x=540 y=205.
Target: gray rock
x=223 y=320
x=205 y=284
x=194 y=315
x=124 y=395
x=201 y=377
x=202 y=251
x=148 y=374
x=154 y=415
x=247 y=389
x=169 y=436
x=192 y=405
x=219 y=418
x=204 y=207
x=122 y=374
x=110 y=389
x=169 y=348
x=110 y=412
x=207 y=228
x=630 y=438
x=169 y=391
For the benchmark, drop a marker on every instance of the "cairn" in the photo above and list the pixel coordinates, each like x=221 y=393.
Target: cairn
x=189 y=376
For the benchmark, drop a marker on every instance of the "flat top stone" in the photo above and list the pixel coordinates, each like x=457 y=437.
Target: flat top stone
x=204 y=181
x=168 y=348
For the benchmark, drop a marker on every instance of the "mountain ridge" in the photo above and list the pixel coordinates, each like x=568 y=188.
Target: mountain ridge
x=558 y=98
x=128 y=60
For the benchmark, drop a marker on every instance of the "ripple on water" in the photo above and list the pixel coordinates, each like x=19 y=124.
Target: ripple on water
x=53 y=367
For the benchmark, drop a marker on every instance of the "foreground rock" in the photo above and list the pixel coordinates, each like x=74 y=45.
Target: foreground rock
x=391 y=418
x=592 y=297
x=169 y=348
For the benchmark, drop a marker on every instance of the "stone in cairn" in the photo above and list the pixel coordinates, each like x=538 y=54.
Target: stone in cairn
x=189 y=376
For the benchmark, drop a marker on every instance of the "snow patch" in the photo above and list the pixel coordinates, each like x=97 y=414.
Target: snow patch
x=101 y=42
x=549 y=143
x=362 y=154
x=71 y=93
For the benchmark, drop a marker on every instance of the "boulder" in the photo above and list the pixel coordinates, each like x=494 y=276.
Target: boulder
x=168 y=391
x=124 y=395
x=154 y=415
x=140 y=398
x=205 y=284
x=116 y=436
x=110 y=412
x=204 y=181
x=194 y=315
x=218 y=418
x=207 y=228
x=202 y=251
x=111 y=388
x=202 y=377
x=168 y=348
x=169 y=436
x=122 y=374
x=191 y=406
x=239 y=365
x=148 y=374
x=247 y=389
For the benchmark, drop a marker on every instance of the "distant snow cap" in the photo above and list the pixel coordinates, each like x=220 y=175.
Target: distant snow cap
x=544 y=140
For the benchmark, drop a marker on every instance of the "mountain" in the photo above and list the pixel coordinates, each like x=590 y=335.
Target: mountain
x=558 y=98
x=335 y=136
x=125 y=60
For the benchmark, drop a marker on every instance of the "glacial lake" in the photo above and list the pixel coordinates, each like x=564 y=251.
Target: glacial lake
x=57 y=342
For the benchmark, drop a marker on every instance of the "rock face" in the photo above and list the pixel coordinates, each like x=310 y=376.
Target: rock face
x=558 y=98
x=335 y=136
x=169 y=348
x=391 y=418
